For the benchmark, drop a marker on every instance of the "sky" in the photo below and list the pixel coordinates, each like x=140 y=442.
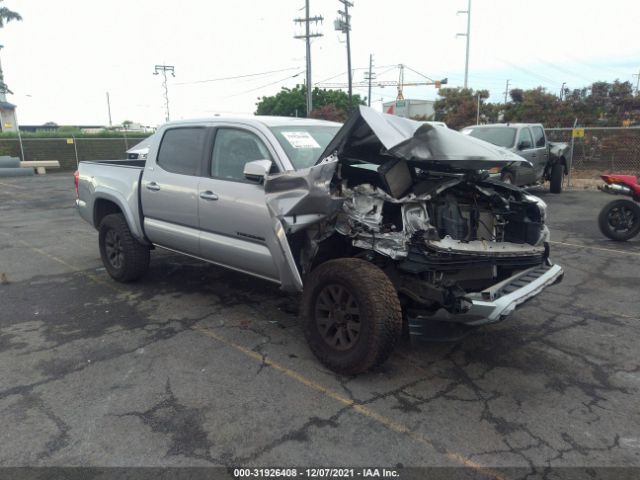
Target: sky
x=65 y=55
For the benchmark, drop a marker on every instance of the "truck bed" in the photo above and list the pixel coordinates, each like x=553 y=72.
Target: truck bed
x=115 y=181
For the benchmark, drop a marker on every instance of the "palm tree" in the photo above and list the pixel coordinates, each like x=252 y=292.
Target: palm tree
x=7 y=15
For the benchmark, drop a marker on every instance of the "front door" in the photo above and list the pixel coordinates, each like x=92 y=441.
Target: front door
x=542 y=152
x=525 y=174
x=234 y=221
x=169 y=189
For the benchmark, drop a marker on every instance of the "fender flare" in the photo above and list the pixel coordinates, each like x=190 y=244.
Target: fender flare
x=119 y=200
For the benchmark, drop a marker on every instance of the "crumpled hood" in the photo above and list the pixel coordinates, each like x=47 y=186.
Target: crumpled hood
x=367 y=130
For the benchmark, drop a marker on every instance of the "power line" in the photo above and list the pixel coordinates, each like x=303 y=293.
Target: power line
x=388 y=67
x=307 y=37
x=529 y=72
x=235 y=77
x=265 y=85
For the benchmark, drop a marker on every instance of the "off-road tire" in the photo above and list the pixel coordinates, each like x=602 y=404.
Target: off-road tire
x=555 y=181
x=134 y=259
x=508 y=177
x=380 y=315
x=603 y=220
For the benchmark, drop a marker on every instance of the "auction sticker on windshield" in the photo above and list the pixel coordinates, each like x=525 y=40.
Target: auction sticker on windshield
x=300 y=139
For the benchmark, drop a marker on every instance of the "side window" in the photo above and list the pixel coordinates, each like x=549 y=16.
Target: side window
x=525 y=136
x=233 y=148
x=181 y=150
x=538 y=136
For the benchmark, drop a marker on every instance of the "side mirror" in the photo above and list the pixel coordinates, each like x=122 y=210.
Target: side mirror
x=257 y=169
x=524 y=144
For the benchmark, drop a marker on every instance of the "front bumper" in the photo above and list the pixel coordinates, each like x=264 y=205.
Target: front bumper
x=498 y=301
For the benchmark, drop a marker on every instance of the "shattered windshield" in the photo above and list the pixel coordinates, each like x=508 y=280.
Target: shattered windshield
x=304 y=143
x=500 y=136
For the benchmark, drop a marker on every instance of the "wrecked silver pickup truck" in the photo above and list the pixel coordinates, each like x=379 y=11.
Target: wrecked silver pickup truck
x=397 y=227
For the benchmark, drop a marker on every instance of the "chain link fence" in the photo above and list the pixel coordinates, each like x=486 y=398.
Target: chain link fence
x=601 y=150
x=68 y=151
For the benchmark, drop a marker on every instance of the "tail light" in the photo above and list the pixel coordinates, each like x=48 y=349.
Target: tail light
x=607 y=178
x=76 y=178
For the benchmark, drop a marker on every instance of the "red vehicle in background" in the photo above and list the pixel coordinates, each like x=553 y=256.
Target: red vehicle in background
x=620 y=219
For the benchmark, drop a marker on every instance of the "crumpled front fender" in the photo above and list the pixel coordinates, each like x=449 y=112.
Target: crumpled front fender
x=296 y=200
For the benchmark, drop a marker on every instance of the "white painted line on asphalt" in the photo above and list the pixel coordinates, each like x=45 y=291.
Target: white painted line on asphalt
x=622 y=252
x=357 y=407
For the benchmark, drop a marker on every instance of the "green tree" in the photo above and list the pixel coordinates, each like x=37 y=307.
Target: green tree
x=289 y=102
x=6 y=16
x=458 y=107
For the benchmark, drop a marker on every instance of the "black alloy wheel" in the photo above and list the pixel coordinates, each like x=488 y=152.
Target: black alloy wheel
x=337 y=317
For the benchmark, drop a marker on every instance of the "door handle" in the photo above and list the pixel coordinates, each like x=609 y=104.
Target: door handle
x=153 y=186
x=208 y=195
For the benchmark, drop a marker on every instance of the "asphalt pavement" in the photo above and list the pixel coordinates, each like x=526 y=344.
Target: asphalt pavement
x=198 y=366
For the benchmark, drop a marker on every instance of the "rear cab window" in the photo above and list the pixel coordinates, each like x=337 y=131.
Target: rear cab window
x=182 y=149
x=499 y=136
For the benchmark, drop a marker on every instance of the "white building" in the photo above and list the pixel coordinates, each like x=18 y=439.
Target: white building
x=408 y=108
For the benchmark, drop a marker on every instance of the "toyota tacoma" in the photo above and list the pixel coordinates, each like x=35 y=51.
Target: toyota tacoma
x=385 y=225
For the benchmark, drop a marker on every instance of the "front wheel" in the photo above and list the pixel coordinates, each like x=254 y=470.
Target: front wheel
x=124 y=258
x=351 y=315
x=555 y=182
x=620 y=220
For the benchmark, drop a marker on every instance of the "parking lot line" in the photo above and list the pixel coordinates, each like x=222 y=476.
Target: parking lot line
x=357 y=407
x=622 y=252
x=19 y=187
x=73 y=268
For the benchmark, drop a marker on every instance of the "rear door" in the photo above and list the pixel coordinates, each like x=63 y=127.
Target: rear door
x=526 y=149
x=169 y=189
x=235 y=224
x=542 y=152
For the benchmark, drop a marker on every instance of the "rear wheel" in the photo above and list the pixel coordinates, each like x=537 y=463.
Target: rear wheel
x=555 y=182
x=351 y=315
x=124 y=258
x=620 y=220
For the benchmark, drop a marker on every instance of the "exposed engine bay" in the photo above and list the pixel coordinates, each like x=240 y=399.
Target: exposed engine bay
x=440 y=229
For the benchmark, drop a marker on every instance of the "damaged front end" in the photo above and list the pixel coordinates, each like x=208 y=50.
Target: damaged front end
x=411 y=198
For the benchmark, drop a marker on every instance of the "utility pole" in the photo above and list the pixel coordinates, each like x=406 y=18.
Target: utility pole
x=164 y=69
x=109 y=109
x=308 y=36
x=562 y=91
x=468 y=35
x=369 y=77
x=343 y=24
x=478 y=112
x=506 y=91
x=637 y=75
